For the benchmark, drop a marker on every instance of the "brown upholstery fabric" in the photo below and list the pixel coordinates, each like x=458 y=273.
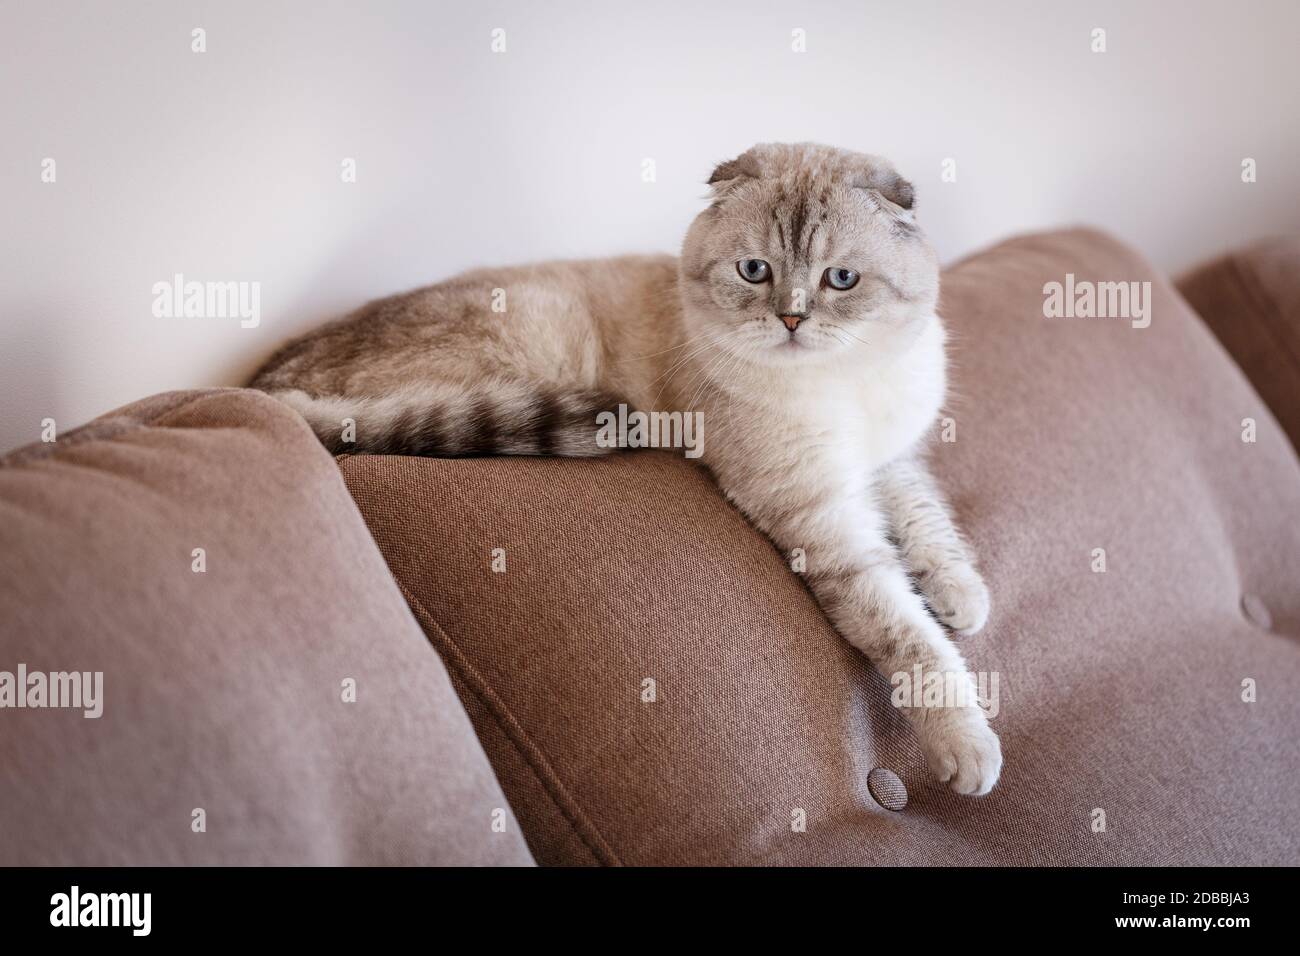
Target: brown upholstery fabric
x=1250 y=299
x=222 y=690
x=1119 y=691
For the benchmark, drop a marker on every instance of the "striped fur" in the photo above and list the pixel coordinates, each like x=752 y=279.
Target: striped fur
x=443 y=421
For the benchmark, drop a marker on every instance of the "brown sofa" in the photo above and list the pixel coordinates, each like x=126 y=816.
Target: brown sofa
x=1161 y=696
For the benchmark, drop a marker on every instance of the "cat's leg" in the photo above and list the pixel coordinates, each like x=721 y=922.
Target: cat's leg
x=860 y=582
x=932 y=547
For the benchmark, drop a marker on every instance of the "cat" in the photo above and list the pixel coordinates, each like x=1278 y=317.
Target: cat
x=800 y=321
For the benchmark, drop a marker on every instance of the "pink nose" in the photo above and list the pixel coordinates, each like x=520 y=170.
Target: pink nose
x=792 y=321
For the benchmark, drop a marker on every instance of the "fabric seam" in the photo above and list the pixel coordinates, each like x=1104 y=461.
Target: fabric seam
x=582 y=827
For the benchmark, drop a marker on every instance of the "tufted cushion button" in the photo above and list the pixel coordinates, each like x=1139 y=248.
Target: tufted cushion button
x=1256 y=611
x=887 y=789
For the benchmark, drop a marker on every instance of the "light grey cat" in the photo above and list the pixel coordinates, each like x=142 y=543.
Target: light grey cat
x=799 y=321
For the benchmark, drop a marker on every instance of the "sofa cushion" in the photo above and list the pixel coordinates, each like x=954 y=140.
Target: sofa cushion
x=1121 y=710
x=1250 y=299
x=223 y=673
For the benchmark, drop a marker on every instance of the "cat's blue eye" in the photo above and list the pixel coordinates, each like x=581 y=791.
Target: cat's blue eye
x=841 y=278
x=753 y=270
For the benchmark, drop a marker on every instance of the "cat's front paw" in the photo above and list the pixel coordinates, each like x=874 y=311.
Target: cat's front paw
x=958 y=596
x=961 y=749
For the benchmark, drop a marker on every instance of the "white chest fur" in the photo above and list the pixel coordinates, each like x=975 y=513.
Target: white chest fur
x=874 y=412
x=900 y=401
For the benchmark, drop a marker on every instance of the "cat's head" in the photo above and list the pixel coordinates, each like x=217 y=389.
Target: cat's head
x=806 y=252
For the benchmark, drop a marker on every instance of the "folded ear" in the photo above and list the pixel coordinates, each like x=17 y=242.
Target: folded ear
x=744 y=166
x=882 y=178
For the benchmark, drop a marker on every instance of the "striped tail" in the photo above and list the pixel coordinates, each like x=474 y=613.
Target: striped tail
x=445 y=421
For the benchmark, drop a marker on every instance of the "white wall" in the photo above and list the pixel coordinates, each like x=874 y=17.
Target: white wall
x=226 y=165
